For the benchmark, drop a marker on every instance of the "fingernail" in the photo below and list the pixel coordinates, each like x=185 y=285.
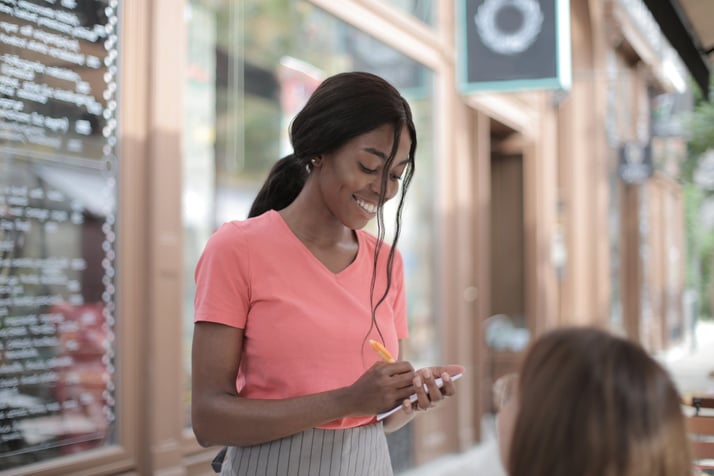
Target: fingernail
x=446 y=377
x=417 y=381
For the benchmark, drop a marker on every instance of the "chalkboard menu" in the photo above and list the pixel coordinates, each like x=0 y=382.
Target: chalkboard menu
x=58 y=172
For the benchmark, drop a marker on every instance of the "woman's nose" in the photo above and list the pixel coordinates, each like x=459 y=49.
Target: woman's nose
x=389 y=192
x=375 y=184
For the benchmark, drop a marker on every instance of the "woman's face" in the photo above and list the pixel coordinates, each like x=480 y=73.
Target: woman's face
x=350 y=177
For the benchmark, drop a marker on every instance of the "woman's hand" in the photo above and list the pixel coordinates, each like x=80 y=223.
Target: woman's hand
x=425 y=398
x=382 y=387
x=432 y=395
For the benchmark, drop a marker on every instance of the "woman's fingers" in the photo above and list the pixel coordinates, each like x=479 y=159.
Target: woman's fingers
x=423 y=401
x=435 y=393
x=449 y=388
x=427 y=389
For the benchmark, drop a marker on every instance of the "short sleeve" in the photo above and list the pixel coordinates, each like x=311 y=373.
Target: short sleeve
x=223 y=279
x=400 y=302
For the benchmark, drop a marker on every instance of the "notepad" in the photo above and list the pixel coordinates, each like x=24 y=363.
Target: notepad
x=413 y=397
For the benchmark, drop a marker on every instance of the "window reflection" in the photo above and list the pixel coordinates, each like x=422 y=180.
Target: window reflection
x=56 y=327
x=424 y=10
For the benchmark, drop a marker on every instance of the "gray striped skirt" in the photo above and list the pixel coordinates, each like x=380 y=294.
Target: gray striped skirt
x=360 y=451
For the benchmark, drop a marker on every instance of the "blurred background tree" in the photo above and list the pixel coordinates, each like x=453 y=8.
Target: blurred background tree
x=698 y=177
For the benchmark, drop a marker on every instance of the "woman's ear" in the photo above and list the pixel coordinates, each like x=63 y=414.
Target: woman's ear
x=316 y=161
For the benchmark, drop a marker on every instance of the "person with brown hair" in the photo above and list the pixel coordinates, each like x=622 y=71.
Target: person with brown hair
x=288 y=300
x=588 y=403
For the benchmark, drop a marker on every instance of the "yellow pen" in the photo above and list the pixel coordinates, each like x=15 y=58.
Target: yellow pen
x=382 y=351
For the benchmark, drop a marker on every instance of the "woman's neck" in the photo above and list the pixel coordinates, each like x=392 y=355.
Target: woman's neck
x=314 y=224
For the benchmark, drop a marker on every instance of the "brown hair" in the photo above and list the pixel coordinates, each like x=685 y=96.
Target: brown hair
x=593 y=404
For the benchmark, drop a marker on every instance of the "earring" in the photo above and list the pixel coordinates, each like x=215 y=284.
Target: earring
x=313 y=162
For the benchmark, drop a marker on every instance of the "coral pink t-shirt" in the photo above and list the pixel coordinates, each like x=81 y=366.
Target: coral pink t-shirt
x=304 y=325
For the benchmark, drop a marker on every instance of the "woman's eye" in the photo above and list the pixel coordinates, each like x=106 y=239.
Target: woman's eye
x=395 y=177
x=367 y=170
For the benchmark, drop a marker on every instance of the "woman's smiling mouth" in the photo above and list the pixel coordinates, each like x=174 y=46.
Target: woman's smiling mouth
x=366 y=206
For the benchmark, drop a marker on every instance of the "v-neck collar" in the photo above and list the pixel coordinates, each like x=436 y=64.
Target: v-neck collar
x=304 y=249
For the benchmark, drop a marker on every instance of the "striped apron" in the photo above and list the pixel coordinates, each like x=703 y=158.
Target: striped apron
x=360 y=451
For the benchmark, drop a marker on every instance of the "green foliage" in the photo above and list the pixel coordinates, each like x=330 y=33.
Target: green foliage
x=706 y=285
x=700 y=240
x=699 y=247
x=702 y=128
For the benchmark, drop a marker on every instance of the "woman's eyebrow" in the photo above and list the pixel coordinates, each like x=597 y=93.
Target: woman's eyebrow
x=382 y=155
x=376 y=152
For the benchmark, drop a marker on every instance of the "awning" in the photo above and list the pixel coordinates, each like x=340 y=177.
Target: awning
x=689 y=27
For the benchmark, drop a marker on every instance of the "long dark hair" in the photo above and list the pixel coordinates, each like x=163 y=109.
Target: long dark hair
x=343 y=107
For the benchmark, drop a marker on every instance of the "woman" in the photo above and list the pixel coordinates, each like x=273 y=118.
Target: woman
x=587 y=403
x=287 y=300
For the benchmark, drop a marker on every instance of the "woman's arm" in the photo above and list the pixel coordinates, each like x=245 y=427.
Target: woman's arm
x=221 y=417
x=425 y=399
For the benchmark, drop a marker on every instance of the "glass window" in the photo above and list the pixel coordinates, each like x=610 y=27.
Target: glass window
x=252 y=65
x=424 y=10
x=57 y=229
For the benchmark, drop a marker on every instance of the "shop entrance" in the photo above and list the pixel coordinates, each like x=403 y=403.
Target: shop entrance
x=505 y=326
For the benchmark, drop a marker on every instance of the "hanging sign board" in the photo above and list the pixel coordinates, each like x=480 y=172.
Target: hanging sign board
x=635 y=165
x=508 y=45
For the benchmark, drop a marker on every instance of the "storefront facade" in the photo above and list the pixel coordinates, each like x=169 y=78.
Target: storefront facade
x=517 y=221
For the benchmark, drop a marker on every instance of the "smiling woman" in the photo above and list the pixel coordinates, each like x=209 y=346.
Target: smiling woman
x=301 y=270
x=358 y=170
x=253 y=66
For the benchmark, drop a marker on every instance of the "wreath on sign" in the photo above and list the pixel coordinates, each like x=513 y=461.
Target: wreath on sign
x=509 y=42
